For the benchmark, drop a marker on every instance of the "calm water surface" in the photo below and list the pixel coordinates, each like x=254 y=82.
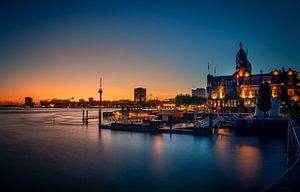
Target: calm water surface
x=49 y=149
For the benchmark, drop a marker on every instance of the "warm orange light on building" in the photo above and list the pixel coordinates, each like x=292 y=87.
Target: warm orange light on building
x=241 y=72
x=242 y=95
x=275 y=72
x=247 y=92
x=214 y=95
x=291 y=92
x=246 y=74
x=275 y=91
x=221 y=91
x=295 y=98
x=250 y=95
x=221 y=95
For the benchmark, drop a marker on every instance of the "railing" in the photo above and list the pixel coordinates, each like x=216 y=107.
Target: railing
x=287 y=180
x=293 y=143
x=216 y=120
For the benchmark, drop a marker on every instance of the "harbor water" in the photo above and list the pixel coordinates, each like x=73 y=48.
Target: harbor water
x=50 y=149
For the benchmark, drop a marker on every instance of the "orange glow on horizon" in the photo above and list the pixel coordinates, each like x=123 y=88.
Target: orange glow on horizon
x=65 y=76
x=75 y=95
x=77 y=92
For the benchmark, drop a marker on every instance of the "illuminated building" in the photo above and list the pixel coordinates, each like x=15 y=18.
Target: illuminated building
x=238 y=92
x=140 y=95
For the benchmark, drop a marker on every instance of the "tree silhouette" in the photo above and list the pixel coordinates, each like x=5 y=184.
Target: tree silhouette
x=264 y=98
x=187 y=99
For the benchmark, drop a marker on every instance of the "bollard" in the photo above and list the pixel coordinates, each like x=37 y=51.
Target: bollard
x=82 y=115
x=100 y=117
x=87 y=117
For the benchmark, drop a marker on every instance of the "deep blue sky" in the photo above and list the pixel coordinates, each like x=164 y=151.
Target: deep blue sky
x=162 y=45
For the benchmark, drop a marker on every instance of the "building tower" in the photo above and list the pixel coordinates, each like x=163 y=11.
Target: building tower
x=243 y=71
x=140 y=95
x=243 y=66
x=100 y=91
x=29 y=102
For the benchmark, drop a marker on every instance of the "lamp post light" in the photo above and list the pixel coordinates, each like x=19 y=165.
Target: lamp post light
x=237 y=91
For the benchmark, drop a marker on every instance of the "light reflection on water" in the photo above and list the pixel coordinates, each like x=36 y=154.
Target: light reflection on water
x=249 y=159
x=51 y=148
x=158 y=156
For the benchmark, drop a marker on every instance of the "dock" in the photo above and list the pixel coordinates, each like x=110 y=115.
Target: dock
x=202 y=127
x=190 y=130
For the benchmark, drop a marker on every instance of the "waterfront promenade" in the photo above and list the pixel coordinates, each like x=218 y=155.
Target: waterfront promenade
x=290 y=180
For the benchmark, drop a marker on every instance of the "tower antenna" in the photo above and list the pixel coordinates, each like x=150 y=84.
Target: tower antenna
x=208 y=69
x=100 y=82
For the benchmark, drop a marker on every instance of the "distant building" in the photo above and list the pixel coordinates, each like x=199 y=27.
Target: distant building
x=29 y=102
x=81 y=100
x=199 y=92
x=239 y=91
x=58 y=103
x=139 y=95
x=91 y=100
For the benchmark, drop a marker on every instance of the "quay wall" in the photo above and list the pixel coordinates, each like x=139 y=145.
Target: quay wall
x=274 y=126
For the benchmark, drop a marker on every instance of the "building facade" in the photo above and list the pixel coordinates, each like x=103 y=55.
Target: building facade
x=91 y=100
x=199 y=92
x=238 y=92
x=140 y=95
x=28 y=102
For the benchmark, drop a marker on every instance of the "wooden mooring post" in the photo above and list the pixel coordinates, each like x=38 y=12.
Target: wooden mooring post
x=100 y=117
x=85 y=117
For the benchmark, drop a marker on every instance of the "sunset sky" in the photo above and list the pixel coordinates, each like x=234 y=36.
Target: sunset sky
x=60 y=49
